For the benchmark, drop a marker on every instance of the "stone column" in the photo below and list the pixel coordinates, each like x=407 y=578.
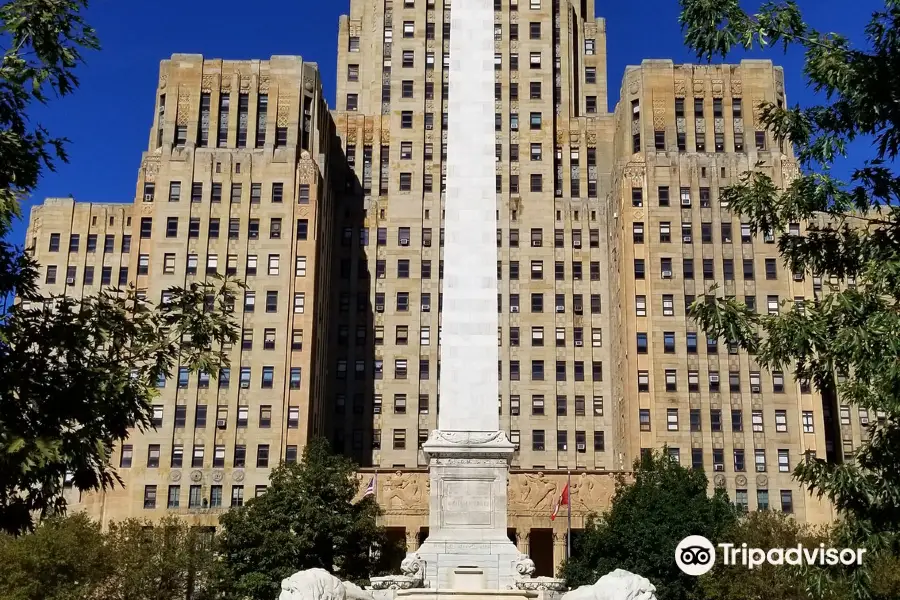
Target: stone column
x=559 y=550
x=412 y=539
x=522 y=538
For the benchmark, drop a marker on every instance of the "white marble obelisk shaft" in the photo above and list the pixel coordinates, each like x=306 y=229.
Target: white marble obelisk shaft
x=469 y=382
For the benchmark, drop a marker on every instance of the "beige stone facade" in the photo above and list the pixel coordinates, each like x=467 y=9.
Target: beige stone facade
x=235 y=180
x=609 y=224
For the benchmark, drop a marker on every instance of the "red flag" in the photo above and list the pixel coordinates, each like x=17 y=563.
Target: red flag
x=562 y=501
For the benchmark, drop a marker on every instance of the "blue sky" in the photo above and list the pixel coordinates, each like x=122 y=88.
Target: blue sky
x=108 y=119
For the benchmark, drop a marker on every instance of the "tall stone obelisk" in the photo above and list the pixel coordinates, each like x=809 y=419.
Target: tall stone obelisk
x=468 y=453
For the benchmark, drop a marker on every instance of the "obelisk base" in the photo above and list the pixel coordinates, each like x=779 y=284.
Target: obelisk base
x=468 y=472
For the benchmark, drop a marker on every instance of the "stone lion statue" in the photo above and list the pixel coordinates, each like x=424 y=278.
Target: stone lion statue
x=319 y=584
x=618 y=585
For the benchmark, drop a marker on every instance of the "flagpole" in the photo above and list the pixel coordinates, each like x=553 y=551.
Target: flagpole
x=569 y=507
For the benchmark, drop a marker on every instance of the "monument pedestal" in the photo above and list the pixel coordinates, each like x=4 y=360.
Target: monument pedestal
x=468 y=473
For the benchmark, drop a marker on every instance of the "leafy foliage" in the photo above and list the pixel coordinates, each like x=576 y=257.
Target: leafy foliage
x=845 y=343
x=64 y=559
x=70 y=558
x=306 y=519
x=75 y=377
x=766 y=530
x=647 y=518
x=166 y=560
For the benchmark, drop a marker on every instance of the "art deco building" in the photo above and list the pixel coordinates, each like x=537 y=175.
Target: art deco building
x=610 y=224
x=236 y=179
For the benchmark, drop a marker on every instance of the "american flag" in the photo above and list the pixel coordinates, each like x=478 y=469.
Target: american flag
x=370 y=489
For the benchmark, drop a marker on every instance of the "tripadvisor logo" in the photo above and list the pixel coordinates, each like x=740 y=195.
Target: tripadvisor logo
x=696 y=555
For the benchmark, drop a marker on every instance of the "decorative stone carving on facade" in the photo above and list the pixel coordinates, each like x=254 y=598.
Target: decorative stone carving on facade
x=635 y=126
x=635 y=171
x=355 y=27
x=308 y=83
x=238 y=476
x=225 y=82
x=264 y=84
x=307 y=170
x=790 y=172
x=634 y=87
x=184 y=108
x=757 y=115
x=196 y=476
x=700 y=124
x=146 y=209
x=738 y=125
x=741 y=480
x=385 y=136
x=282 y=114
x=151 y=168
x=719 y=480
x=719 y=125
x=718 y=86
x=514 y=17
x=698 y=87
x=680 y=124
x=737 y=87
x=680 y=89
x=175 y=476
x=208 y=83
x=245 y=83
x=591 y=137
x=368 y=131
x=531 y=492
x=659 y=115
x=404 y=492
x=762 y=481
x=218 y=476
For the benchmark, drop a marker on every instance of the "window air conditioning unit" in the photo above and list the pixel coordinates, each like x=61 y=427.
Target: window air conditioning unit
x=754 y=389
x=70 y=280
x=245 y=384
x=579 y=343
x=560 y=309
x=382 y=275
x=718 y=467
x=535 y=243
x=426 y=307
x=667 y=274
x=404 y=242
x=576 y=244
x=686 y=239
x=685 y=201
x=379 y=308
x=581 y=447
x=514 y=309
x=220 y=423
x=148 y=197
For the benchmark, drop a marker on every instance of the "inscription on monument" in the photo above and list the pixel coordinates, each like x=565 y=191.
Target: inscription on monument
x=466 y=503
x=468 y=548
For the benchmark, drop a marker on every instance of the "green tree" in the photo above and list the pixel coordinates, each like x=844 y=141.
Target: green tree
x=75 y=377
x=165 y=560
x=65 y=558
x=306 y=518
x=845 y=342
x=647 y=518
x=766 y=530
